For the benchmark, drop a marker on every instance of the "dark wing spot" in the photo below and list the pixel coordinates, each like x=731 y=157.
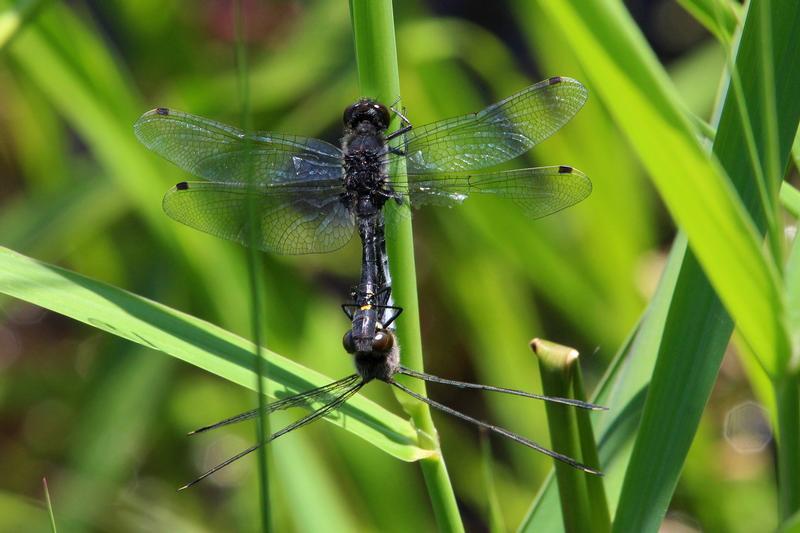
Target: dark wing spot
x=162 y=111
x=563 y=169
x=182 y=186
x=555 y=79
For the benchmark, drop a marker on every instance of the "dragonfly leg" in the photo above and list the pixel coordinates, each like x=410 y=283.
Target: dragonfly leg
x=397 y=311
x=405 y=126
x=348 y=310
x=403 y=119
x=397 y=133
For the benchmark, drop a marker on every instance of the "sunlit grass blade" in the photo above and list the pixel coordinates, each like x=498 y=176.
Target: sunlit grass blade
x=192 y=340
x=14 y=16
x=691 y=350
x=623 y=72
x=49 y=505
x=720 y=17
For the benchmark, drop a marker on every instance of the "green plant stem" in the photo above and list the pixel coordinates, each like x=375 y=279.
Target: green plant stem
x=256 y=305
x=494 y=511
x=557 y=364
x=49 y=506
x=376 y=56
x=788 y=402
x=598 y=501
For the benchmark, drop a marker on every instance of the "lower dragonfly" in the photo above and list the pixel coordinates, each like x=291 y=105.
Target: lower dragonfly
x=372 y=342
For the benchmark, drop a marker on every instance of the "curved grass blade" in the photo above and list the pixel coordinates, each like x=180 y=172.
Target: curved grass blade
x=691 y=350
x=692 y=184
x=192 y=340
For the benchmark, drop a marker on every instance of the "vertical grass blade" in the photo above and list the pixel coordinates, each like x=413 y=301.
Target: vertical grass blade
x=256 y=292
x=376 y=56
x=691 y=349
x=790 y=200
x=494 y=511
x=595 y=488
x=49 y=506
x=787 y=396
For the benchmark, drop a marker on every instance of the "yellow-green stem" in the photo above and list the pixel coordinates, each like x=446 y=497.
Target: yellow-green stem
x=379 y=78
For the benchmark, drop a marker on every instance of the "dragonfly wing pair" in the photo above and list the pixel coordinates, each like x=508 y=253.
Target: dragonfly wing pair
x=293 y=183
x=298 y=182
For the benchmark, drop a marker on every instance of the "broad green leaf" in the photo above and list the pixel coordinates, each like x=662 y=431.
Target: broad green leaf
x=192 y=340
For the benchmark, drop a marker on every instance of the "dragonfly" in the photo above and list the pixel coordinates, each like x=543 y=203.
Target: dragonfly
x=310 y=196
x=376 y=356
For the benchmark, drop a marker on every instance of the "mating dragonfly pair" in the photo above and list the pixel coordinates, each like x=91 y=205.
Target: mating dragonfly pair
x=308 y=196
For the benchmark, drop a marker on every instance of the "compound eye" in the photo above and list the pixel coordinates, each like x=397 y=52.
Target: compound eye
x=347 y=342
x=382 y=342
x=348 y=114
x=383 y=113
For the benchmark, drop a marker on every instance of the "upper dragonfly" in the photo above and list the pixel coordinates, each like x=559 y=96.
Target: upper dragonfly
x=311 y=195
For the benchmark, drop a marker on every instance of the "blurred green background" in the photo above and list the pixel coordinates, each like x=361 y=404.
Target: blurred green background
x=105 y=420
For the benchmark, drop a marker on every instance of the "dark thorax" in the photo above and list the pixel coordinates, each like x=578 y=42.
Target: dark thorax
x=364 y=147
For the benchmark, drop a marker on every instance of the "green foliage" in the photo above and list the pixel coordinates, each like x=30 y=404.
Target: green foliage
x=104 y=418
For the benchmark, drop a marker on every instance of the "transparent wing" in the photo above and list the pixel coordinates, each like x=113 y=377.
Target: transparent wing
x=497 y=134
x=293 y=218
x=539 y=191
x=324 y=394
x=223 y=154
x=336 y=399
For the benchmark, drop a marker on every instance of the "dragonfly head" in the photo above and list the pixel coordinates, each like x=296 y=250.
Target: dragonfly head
x=374 y=348
x=369 y=111
x=367 y=334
